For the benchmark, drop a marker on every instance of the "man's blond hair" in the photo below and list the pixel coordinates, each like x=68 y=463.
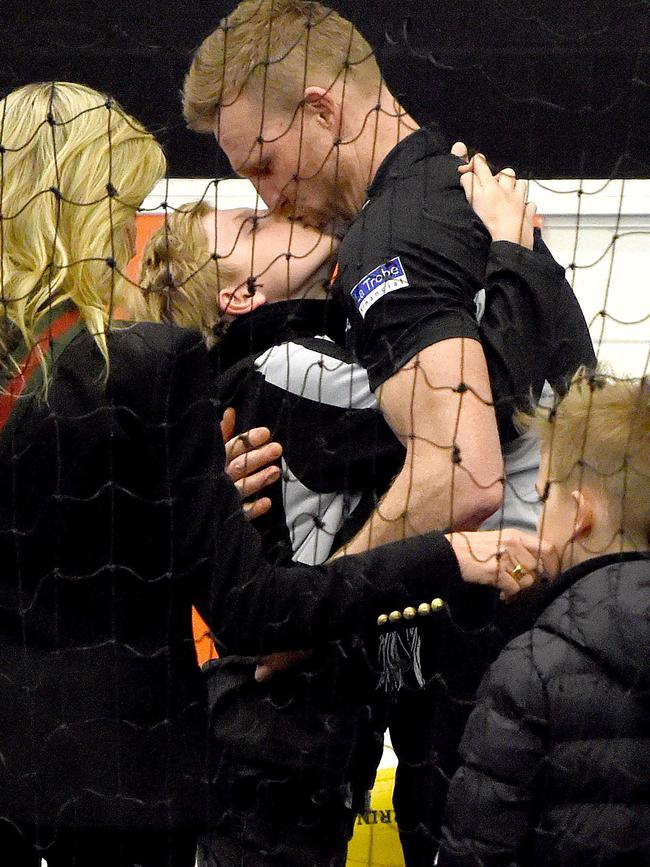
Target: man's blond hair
x=270 y=50
x=598 y=435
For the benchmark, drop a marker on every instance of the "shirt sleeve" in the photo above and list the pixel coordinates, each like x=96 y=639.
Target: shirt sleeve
x=532 y=330
x=410 y=267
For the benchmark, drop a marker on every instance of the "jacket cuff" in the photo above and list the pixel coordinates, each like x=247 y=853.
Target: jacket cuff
x=427 y=569
x=515 y=257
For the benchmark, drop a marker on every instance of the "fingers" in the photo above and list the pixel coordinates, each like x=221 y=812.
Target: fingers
x=228 y=425
x=256 y=508
x=510 y=560
x=249 y=485
x=521 y=189
x=459 y=149
x=247 y=442
x=530 y=211
x=507 y=178
x=468 y=183
x=247 y=465
x=519 y=565
x=269 y=665
x=536 y=556
x=479 y=167
x=548 y=560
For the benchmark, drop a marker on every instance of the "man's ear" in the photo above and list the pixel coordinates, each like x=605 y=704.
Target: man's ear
x=325 y=107
x=584 y=518
x=238 y=300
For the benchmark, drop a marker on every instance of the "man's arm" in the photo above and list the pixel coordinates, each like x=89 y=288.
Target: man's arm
x=439 y=405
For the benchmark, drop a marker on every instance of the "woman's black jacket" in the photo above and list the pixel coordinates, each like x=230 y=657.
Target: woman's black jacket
x=115 y=518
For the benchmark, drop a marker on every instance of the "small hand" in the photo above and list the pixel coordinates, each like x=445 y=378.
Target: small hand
x=493 y=557
x=459 y=149
x=499 y=200
x=269 y=665
x=248 y=456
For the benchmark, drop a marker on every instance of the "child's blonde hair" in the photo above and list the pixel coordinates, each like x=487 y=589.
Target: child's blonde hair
x=74 y=168
x=180 y=278
x=598 y=435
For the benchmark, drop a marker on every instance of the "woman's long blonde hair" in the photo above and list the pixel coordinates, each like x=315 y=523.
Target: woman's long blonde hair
x=74 y=168
x=180 y=277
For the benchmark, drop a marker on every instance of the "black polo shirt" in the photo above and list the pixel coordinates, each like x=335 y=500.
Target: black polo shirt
x=411 y=268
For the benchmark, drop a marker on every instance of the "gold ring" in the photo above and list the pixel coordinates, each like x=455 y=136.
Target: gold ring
x=519 y=572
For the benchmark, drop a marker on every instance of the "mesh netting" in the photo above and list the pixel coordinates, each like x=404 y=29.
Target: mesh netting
x=398 y=337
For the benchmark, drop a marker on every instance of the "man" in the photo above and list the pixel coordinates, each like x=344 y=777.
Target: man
x=280 y=363
x=294 y=96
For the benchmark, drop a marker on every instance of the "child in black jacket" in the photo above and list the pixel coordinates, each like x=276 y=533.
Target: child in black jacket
x=556 y=754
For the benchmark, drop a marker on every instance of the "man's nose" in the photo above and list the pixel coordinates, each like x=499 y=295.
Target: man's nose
x=275 y=199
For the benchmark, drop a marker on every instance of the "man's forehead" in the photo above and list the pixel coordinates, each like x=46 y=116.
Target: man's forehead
x=237 y=128
x=246 y=130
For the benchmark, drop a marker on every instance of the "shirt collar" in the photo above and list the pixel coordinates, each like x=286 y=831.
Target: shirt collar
x=575 y=573
x=401 y=160
x=277 y=323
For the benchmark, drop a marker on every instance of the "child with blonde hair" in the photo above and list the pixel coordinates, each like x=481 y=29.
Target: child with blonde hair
x=205 y=265
x=556 y=754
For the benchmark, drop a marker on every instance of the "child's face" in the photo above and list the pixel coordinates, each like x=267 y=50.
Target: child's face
x=556 y=522
x=284 y=259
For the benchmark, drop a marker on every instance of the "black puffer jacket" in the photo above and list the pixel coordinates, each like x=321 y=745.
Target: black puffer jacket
x=556 y=756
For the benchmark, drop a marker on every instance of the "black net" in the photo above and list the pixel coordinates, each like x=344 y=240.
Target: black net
x=380 y=324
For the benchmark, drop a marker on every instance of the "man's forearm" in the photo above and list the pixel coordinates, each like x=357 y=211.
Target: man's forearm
x=444 y=497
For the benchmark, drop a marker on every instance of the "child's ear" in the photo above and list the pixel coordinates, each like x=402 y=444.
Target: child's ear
x=584 y=518
x=236 y=301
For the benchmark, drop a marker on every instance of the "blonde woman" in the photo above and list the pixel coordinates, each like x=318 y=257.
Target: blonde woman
x=116 y=516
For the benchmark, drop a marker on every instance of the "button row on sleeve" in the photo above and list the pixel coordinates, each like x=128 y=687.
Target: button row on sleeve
x=423 y=610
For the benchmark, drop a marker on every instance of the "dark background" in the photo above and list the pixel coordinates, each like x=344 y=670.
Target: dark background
x=557 y=89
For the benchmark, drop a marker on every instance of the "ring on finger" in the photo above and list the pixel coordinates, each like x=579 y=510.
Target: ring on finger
x=518 y=572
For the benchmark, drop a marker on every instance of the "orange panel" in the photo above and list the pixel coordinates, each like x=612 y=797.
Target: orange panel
x=145 y=226
x=205 y=649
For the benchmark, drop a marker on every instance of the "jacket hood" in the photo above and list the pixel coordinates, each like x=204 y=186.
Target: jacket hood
x=606 y=612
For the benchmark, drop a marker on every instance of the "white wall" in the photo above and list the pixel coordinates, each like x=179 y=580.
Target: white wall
x=601 y=226
x=606 y=233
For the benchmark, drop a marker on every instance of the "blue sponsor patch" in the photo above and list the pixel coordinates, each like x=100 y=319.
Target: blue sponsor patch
x=379 y=282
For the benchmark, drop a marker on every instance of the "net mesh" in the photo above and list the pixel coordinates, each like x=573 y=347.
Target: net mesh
x=385 y=317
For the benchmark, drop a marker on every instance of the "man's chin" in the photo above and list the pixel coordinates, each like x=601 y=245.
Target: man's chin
x=330 y=223
x=329 y=220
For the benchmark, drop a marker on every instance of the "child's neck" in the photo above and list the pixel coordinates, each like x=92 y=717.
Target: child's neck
x=599 y=544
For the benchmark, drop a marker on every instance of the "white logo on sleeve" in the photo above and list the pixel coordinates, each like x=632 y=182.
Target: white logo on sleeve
x=379 y=282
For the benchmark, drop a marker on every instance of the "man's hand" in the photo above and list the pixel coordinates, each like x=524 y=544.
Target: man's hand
x=499 y=200
x=248 y=456
x=510 y=560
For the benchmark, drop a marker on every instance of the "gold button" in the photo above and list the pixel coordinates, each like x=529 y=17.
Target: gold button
x=382 y=620
x=409 y=613
x=394 y=616
x=424 y=609
x=437 y=603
